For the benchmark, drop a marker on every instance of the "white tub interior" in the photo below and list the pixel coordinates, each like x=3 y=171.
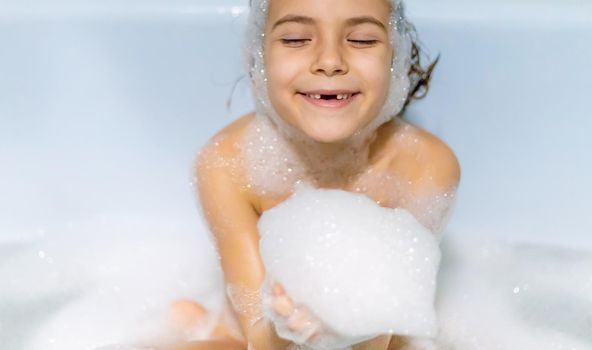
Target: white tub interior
x=103 y=106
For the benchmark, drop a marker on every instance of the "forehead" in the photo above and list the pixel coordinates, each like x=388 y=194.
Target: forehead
x=330 y=10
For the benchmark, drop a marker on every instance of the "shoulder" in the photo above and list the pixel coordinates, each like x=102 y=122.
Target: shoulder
x=441 y=164
x=424 y=158
x=224 y=143
x=218 y=161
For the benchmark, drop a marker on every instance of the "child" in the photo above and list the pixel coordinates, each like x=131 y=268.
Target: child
x=330 y=78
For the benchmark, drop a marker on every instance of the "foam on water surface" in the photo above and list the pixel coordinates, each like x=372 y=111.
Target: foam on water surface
x=105 y=281
x=494 y=296
x=59 y=292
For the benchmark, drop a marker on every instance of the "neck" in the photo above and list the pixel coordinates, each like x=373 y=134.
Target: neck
x=335 y=164
x=278 y=156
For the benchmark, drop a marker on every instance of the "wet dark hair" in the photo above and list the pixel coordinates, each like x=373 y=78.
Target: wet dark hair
x=419 y=76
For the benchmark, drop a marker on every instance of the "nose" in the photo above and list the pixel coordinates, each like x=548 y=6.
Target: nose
x=329 y=60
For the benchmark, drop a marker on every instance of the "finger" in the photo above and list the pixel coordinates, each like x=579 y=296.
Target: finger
x=315 y=333
x=309 y=330
x=277 y=289
x=312 y=333
x=299 y=320
x=283 y=306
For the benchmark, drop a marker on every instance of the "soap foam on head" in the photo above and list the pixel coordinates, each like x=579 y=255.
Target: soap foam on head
x=363 y=269
x=296 y=147
x=254 y=53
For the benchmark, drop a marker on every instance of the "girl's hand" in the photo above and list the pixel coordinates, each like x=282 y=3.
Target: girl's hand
x=296 y=317
x=308 y=329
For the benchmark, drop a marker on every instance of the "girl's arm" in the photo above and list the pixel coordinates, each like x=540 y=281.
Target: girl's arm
x=233 y=222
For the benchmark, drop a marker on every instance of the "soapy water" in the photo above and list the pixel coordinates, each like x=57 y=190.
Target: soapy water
x=111 y=280
x=494 y=296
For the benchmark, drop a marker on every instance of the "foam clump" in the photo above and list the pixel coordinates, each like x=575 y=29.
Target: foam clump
x=362 y=269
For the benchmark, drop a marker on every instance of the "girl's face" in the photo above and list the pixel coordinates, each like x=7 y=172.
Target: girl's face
x=338 y=49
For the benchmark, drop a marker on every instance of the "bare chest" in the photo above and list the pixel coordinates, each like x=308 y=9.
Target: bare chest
x=386 y=188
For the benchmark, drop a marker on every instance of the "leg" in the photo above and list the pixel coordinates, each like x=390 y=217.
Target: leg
x=398 y=343
x=378 y=343
x=186 y=316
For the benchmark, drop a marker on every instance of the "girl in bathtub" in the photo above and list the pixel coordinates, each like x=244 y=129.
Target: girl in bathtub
x=331 y=79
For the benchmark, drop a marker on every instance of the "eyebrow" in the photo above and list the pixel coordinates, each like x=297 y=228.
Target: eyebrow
x=350 y=22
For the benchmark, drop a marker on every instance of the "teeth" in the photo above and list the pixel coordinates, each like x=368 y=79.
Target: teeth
x=339 y=96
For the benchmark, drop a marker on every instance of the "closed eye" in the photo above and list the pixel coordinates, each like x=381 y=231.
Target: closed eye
x=297 y=42
x=363 y=42
x=294 y=41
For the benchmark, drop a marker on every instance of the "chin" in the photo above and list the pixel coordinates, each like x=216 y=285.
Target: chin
x=323 y=128
x=329 y=134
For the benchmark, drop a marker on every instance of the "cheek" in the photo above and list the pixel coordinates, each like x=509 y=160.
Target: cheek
x=377 y=75
x=281 y=72
x=373 y=65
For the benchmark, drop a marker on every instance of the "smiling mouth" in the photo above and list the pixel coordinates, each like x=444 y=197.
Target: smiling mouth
x=332 y=101
x=329 y=97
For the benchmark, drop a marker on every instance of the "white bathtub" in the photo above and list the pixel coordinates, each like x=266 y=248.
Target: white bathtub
x=103 y=106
